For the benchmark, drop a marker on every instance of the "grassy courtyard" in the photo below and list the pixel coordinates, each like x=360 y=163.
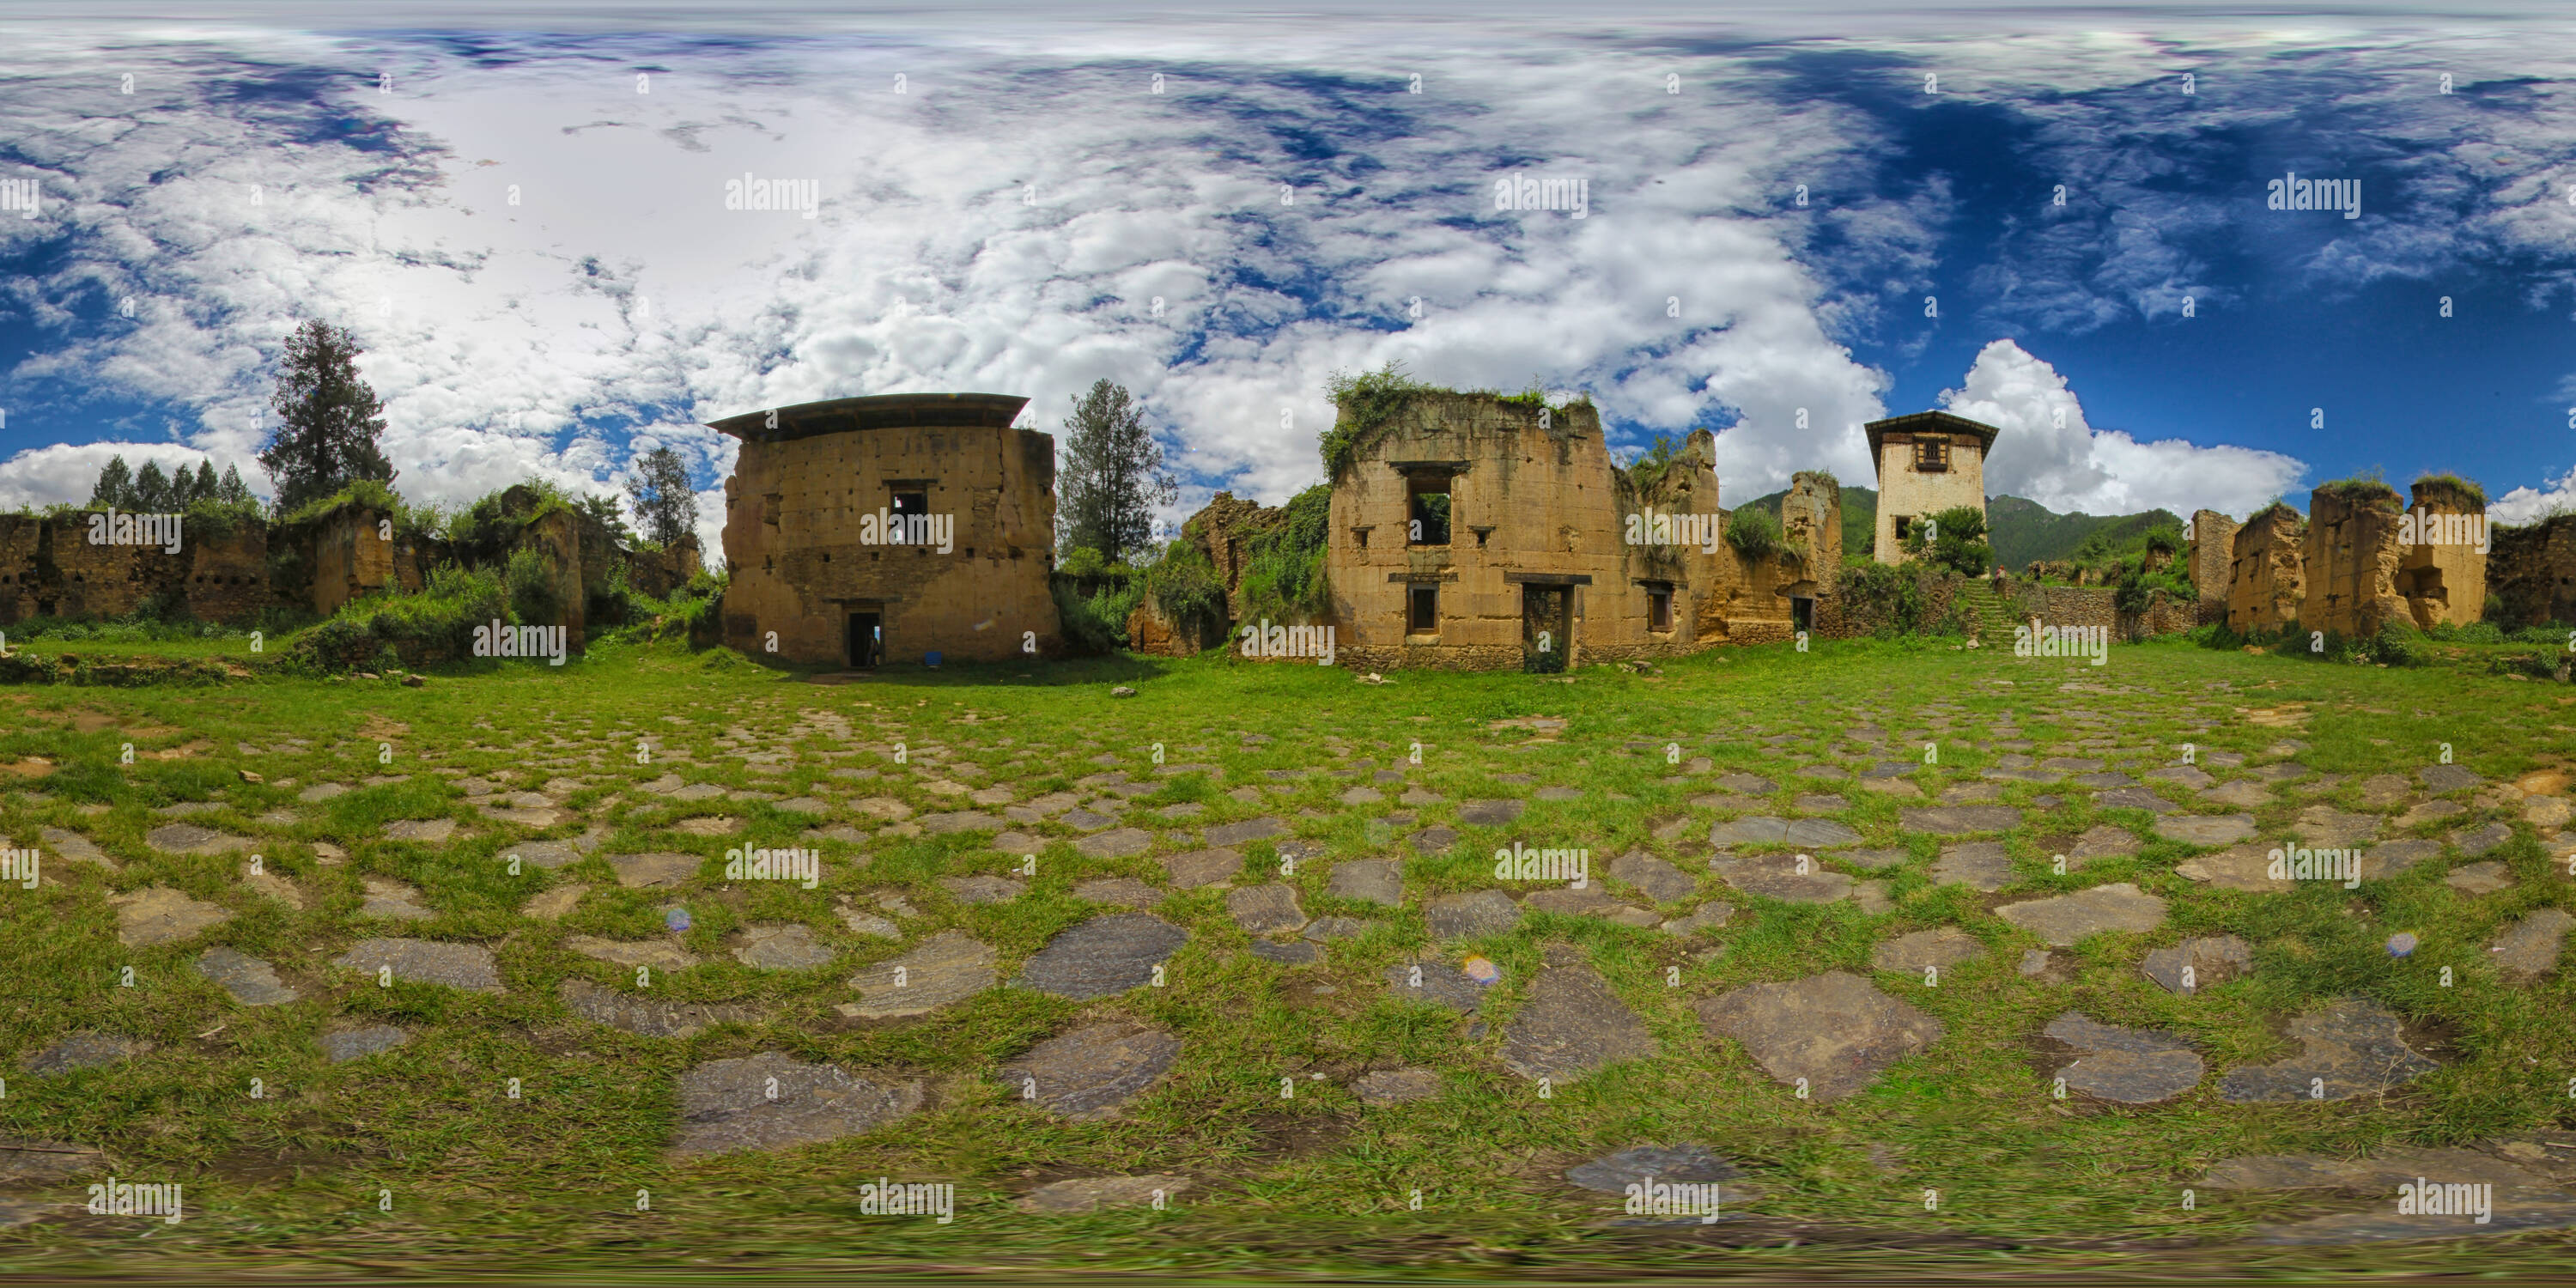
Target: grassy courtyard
x=1959 y=1156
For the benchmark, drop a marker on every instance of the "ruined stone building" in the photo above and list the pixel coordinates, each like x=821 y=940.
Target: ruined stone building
x=1476 y=532
x=49 y=568
x=1927 y=462
x=2213 y=553
x=2351 y=568
x=861 y=529
x=2533 y=571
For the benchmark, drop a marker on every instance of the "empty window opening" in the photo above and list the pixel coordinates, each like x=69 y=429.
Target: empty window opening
x=1422 y=610
x=1427 y=502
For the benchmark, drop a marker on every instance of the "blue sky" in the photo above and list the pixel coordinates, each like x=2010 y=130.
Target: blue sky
x=1003 y=196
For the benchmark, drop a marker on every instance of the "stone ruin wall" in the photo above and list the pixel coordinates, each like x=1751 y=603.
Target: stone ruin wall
x=49 y=568
x=2443 y=583
x=2350 y=559
x=799 y=568
x=2213 y=554
x=2265 y=581
x=2533 y=571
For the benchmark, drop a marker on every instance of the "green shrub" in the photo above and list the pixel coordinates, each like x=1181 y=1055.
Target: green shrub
x=1898 y=598
x=1753 y=531
x=1095 y=621
x=531 y=581
x=1185 y=588
x=1283 y=567
x=1082 y=563
x=1958 y=543
x=1364 y=404
x=436 y=624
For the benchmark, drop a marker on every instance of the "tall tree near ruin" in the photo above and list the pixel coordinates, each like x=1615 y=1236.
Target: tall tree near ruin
x=1110 y=477
x=230 y=490
x=665 y=506
x=328 y=419
x=115 y=486
x=151 y=491
x=204 y=487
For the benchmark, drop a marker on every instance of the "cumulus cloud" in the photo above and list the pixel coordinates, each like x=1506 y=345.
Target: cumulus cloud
x=2047 y=452
x=2532 y=504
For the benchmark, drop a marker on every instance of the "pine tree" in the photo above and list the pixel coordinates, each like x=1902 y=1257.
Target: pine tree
x=665 y=507
x=151 y=494
x=328 y=419
x=610 y=516
x=203 y=488
x=1111 y=477
x=115 y=488
x=232 y=491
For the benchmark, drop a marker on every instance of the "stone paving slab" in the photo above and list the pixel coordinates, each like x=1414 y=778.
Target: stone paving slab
x=1476 y=912
x=2212 y=960
x=1192 y=869
x=78 y=1051
x=1396 y=1086
x=2066 y=919
x=1833 y=1030
x=1092 y=1193
x=653 y=871
x=251 y=981
x=1436 y=984
x=345 y=1045
x=161 y=915
x=1940 y=947
x=1573 y=1024
x=780 y=945
x=1652 y=877
x=1121 y=892
x=2352 y=1047
x=647 y=1016
x=1777 y=876
x=422 y=961
x=948 y=967
x=2530 y=948
x=1979 y=865
x=1378 y=881
x=1107 y=954
x=1961 y=820
x=773 y=1101
x=2206 y=829
x=1088 y=1074
x=188 y=838
x=1263 y=909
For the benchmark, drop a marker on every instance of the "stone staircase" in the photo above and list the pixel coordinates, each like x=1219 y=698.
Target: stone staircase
x=1988 y=619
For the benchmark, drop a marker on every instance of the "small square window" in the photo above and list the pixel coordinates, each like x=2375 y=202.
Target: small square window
x=1659 y=610
x=1931 y=455
x=1422 y=610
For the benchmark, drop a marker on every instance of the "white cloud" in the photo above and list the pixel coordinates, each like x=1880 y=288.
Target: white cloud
x=2530 y=504
x=2047 y=452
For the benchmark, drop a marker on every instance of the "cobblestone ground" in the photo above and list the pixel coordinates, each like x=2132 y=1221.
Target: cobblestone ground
x=1892 y=946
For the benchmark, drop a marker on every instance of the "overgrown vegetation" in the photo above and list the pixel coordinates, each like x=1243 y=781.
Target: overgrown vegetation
x=1185 y=588
x=1896 y=599
x=383 y=631
x=1652 y=465
x=1755 y=533
x=1957 y=542
x=1364 y=405
x=1283 y=569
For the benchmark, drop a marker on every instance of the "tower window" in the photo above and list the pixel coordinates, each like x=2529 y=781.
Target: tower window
x=1422 y=610
x=1931 y=454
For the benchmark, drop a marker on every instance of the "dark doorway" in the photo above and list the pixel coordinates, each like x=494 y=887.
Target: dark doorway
x=867 y=640
x=1802 y=614
x=1547 y=618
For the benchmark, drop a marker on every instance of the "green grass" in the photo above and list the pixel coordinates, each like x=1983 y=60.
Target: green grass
x=1313 y=1185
